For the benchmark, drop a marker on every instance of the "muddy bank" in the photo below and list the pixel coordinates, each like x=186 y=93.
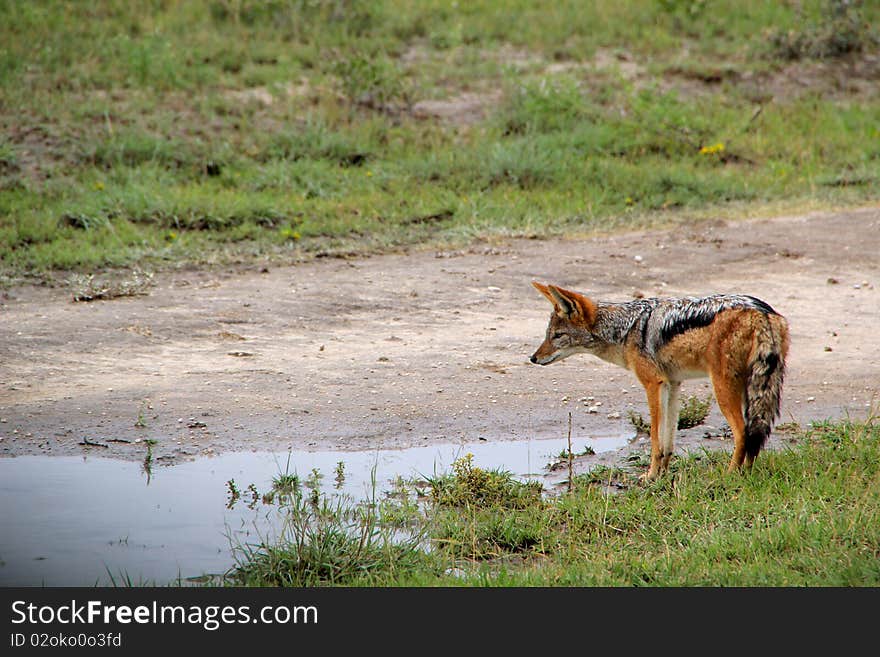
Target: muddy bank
x=416 y=349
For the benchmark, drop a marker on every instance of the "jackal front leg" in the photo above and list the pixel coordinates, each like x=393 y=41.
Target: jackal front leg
x=656 y=393
x=669 y=409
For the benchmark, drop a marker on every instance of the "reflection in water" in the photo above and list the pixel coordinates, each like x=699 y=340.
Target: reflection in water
x=81 y=521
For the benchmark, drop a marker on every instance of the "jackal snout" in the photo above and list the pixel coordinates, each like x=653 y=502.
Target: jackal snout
x=543 y=355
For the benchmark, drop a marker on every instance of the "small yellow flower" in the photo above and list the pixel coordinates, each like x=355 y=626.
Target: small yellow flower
x=714 y=148
x=629 y=200
x=369 y=174
x=170 y=236
x=99 y=186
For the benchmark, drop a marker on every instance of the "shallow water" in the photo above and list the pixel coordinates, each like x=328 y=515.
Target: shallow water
x=81 y=521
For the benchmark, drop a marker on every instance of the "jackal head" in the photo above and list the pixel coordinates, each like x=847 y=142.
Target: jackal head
x=569 y=331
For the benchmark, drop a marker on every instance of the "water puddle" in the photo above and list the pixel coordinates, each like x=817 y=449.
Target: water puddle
x=81 y=521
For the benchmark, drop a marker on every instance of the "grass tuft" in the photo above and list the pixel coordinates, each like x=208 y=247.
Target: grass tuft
x=325 y=541
x=469 y=485
x=841 y=29
x=692 y=413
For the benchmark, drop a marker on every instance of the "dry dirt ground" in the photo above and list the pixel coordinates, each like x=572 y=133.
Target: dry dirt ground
x=401 y=350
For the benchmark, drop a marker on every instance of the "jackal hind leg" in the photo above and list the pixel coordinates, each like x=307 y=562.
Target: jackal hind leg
x=730 y=394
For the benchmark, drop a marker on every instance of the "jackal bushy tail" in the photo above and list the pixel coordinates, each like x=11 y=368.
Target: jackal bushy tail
x=763 y=387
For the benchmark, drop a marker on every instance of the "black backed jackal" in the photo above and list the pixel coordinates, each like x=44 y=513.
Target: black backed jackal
x=738 y=341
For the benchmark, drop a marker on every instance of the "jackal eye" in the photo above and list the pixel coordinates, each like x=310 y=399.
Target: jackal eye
x=556 y=336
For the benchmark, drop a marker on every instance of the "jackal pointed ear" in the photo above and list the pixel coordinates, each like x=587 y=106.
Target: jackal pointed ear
x=543 y=289
x=572 y=305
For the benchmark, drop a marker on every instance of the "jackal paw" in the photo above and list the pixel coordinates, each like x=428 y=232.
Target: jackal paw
x=647 y=476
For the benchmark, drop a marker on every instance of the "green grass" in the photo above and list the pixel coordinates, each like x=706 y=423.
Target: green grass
x=212 y=130
x=326 y=542
x=468 y=485
x=807 y=515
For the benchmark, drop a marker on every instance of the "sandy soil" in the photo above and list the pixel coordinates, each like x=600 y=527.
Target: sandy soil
x=402 y=350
